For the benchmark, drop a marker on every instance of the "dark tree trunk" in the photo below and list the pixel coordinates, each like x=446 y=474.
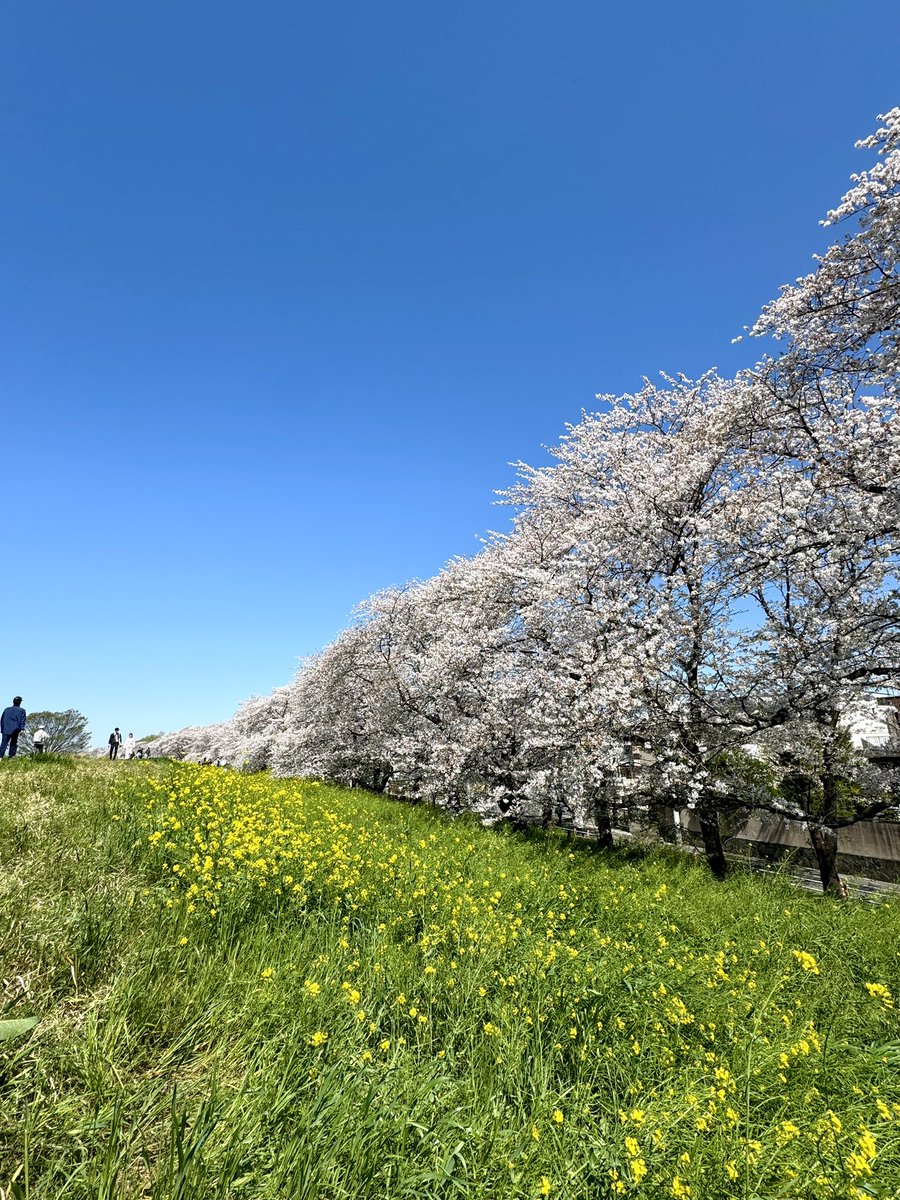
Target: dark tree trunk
x=381 y=777
x=455 y=802
x=822 y=833
x=712 y=842
x=600 y=810
x=546 y=812
x=604 y=825
x=824 y=844
x=511 y=814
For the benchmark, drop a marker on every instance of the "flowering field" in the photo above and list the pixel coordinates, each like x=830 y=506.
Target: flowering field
x=302 y=991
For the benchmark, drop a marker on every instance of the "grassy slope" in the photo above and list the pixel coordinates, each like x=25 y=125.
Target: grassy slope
x=571 y=1024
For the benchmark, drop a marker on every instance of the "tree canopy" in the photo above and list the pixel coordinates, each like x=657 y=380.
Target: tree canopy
x=67 y=732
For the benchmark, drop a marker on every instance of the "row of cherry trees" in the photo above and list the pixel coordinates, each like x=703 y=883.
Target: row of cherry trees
x=704 y=576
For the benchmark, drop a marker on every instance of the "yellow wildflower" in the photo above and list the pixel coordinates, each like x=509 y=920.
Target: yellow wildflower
x=806 y=961
x=878 y=991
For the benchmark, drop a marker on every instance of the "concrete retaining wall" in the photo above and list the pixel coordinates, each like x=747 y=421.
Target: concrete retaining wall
x=869 y=848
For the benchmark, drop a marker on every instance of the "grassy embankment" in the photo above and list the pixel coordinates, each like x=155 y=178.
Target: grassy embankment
x=255 y=988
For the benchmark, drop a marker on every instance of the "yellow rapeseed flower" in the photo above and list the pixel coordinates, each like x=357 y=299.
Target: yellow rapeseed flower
x=878 y=991
x=806 y=961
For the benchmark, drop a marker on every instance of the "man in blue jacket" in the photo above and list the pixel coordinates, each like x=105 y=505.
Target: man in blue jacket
x=12 y=722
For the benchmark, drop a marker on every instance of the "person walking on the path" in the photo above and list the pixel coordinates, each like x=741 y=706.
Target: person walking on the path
x=115 y=741
x=129 y=746
x=40 y=740
x=12 y=722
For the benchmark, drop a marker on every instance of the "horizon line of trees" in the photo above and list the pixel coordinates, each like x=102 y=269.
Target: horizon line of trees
x=706 y=572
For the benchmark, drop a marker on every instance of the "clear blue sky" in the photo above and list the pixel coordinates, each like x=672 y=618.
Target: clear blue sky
x=286 y=286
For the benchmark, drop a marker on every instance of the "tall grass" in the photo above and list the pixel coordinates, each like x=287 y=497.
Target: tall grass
x=252 y=988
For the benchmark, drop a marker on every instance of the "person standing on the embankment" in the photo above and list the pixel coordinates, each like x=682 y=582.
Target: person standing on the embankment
x=12 y=722
x=115 y=741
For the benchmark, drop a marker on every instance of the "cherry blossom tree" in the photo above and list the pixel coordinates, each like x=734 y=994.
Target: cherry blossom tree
x=826 y=437
x=650 y=490
x=704 y=565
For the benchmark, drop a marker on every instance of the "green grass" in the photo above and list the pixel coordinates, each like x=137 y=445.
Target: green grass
x=671 y=1023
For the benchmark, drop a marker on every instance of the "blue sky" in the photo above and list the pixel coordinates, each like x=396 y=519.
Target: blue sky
x=286 y=287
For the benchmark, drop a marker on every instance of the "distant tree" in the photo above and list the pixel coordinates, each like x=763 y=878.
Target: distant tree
x=67 y=732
